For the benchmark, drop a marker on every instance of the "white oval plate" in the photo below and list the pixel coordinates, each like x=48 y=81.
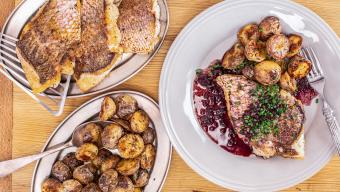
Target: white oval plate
x=88 y=112
x=206 y=38
x=130 y=64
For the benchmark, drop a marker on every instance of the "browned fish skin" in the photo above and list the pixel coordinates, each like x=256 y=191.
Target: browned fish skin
x=137 y=23
x=49 y=35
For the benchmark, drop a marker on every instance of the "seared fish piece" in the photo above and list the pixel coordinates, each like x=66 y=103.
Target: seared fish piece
x=290 y=139
x=139 y=25
x=45 y=40
x=94 y=58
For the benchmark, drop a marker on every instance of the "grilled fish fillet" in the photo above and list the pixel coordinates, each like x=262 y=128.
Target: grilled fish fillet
x=139 y=25
x=290 y=140
x=45 y=40
x=94 y=58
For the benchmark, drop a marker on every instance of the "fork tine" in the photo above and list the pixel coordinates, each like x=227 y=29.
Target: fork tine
x=21 y=77
x=317 y=62
x=8 y=48
x=311 y=74
x=9 y=55
x=9 y=42
x=9 y=37
x=12 y=64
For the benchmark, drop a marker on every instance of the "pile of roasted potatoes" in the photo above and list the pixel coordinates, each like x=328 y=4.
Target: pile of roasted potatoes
x=267 y=55
x=93 y=168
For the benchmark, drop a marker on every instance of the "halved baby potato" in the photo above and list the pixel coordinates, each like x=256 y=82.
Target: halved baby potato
x=140 y=178
x=92 y=187
x=255 y=51
x=130 y=146
x=71 y=161
x=87 y=152
x=295 y=42
x=52 y=185
x=61 y=171
x=139 y=121
x=234 y=56
x=85 y=173
x=147 y=158
x=128 y=166
x=111 y=135
x=267 y=72
x=122 y=122
x=278 y=46
x=102 y=155
x=248 y=33
x=124 y=184
x=109 y=163
x=299 y=67
x=269 y=26
x=137 y=189
x=288 y=83
x=72 y=185
x=108 y=181
x=89 y=134
x=108 y=109
x=149 y=135
x=126 y=105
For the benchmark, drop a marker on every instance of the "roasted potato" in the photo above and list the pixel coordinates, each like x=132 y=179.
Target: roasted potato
x=92 y=187
x=52 y=185
x=126 y=105
x=295 y=44
x=72 y=185
x=102 y=155
x=90 y=133
x=128 y=166
x=124 y=184
x=61 y=171
x=149 y=135
x=124 y=123
x=111 y=135
x=233 y=57
x=109 y=163
x=248 y=33
x=108 y=181
x=267 y=72
x=269 y=26
x=130 y=146
x=140 y=178
x=278 y=46
x=87 y=152
x=137 y=189
x=85 y=173
x=248 y=71
x=139 y=121
x=299 y=67
x=288 y=83
x=71 y=161
x=147 y=158
x=108 y=109
x=255 y=51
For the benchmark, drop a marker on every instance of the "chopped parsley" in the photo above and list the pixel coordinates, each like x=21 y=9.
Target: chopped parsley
x=317 y=101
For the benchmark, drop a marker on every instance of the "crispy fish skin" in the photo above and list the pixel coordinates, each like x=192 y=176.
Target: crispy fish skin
x=45 y=40
x=94 y=58
x=139 y=25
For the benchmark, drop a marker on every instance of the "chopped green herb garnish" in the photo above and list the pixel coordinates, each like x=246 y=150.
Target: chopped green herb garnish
x=198 y=71
x=317 y=101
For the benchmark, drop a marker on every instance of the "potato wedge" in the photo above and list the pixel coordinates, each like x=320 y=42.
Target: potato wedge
x=140 y=178
x=234 y=56
x=130 y=146
x=126 y=105
x=255 y=51
x=87 y=152
x=269 y=26
x=111 y=135
x=108 y=109
x=248 y=33
x=147 y=158
x=61 y=171
x=72 y=185
x=295 y=44
x=267 y=72
x=108 y=181
x=278 y=46
x=299 y=67
x=128 y=166
x=52 y=185
x=139 y=121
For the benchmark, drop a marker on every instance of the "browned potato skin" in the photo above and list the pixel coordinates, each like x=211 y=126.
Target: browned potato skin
x=255 y=51
x=248 y=71
x=87 y=152
x=137 y=189
x=267 y=72
x=139 y=121
x=108 y=181
x=90 y=134
x=147 y=158
x=299 y=67
x=248 y=33
x=130 y=146
x=52 y=185
x=233 y=57
x=128 y=166
x=126 y=105
x=108 y=109
x=85 y=173
x=109 y=163
x=149 y=135
x=269 y=26
x=92 y=187
x=72 y=185
x=295 y=42
x=140 y=178
x=71 y=161
x=61 y=171
x=111 y=134
x=102 y=155
x=124 y=184
x=124 y=123
x=278 y=46
x=288 y=83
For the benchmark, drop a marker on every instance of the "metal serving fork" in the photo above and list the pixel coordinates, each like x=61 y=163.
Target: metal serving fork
x=317 y=79
x=11 y=68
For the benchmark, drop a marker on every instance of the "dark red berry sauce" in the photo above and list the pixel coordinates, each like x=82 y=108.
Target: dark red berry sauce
x=305 y=92
x=211 y=111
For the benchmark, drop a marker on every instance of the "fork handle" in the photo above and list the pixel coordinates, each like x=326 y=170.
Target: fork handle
x=333 y=124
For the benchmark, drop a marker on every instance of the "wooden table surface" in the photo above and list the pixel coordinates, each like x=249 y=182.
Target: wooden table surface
x=25 y=126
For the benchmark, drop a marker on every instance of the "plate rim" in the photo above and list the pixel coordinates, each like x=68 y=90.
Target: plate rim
x=123 y=91
x=153 y=54
x=163 y=101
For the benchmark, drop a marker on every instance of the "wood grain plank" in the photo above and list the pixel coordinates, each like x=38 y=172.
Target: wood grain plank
x=6 y=109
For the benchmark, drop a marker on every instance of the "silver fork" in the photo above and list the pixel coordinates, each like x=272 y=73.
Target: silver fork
x=317 y=79
x=11 y=68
